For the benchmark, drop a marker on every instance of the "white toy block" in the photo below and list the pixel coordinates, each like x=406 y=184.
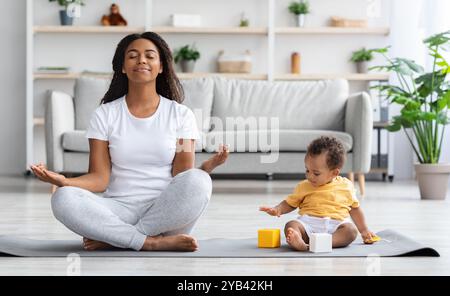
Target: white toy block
x=320 y=243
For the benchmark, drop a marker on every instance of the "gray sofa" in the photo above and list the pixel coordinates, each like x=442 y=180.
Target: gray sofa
x=297 y=112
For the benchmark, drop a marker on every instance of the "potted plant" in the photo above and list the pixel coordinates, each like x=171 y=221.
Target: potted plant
x=300 y=9
x=66 y=15
x=361 y=58
x=425 y=100
x=244 y=22
x=187 y=56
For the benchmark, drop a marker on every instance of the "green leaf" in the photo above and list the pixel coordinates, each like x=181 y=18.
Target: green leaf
x=438 y=39
x=447 y=97
x=412 y=65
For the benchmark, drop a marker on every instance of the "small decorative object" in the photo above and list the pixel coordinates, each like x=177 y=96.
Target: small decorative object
x=320 y=243
x=114 y=18
x=424 y=98
x=234 y=63
x=300 y=10
x=295 y=63
x=71 y=10
x=186 y=56
x=269 y=238
x=336 y=21
x=361 y=57
x=244 y=21
x=186 y=20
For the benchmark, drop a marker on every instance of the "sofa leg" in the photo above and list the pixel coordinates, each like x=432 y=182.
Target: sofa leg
x=351 y=177
x=362 y=184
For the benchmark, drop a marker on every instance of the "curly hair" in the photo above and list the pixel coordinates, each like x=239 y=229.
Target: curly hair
x=335 y=152
x=167 y=83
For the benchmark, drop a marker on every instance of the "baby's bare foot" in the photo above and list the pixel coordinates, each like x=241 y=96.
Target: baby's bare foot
x=295 y=240
x=179 y=242
x=93 y=245
x=217 y=159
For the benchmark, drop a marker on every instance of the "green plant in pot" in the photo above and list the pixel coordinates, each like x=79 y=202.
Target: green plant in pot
x=424 y=98
x=71 y=7
x=300 y=9
x=186 y=56
x=361 y=58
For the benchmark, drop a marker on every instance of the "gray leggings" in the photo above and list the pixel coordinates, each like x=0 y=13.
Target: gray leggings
x=125 y=222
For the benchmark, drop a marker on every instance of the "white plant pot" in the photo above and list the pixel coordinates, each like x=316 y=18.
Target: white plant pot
x=433 y=180
x=301 y=19
x=362 y=67
x=187 y=66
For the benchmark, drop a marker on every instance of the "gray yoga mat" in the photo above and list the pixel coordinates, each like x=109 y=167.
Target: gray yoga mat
x=392 y=244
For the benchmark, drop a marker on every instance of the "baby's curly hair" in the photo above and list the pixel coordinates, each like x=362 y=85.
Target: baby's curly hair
x=332 y=147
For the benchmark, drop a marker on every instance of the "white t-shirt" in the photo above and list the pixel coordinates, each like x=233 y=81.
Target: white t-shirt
x=141 y=149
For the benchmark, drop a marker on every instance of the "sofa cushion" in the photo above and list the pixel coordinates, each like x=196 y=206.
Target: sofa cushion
x=75 y=141
x=299 y=105
x=198 y=96
x=88 y=93
x=260 y=141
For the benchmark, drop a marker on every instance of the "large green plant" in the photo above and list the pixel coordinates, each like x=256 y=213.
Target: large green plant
x=424 y=97
x=297 y=8
x=186 y=53
x=66 y=3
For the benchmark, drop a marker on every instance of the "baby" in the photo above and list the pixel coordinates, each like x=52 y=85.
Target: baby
x=325 y=200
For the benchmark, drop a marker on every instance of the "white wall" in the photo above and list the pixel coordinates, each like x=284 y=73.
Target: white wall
x=12 y=85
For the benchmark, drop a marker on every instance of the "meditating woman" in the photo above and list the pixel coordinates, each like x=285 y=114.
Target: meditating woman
x=142 y=153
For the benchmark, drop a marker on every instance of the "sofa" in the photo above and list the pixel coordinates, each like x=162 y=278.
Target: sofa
x=267 y=125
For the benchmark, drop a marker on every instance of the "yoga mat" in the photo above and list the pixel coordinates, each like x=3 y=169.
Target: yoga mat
x=392 y=244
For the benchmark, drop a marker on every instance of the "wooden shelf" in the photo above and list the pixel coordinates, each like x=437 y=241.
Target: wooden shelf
x=87 y=29
x=349 y=76
x=68 y=75
x=211 y=30
x=332 y=30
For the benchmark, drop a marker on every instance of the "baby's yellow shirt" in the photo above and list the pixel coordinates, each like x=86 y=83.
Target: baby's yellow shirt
x=334 y=200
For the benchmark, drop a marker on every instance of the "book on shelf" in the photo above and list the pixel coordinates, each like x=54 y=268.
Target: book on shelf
x=53 y=70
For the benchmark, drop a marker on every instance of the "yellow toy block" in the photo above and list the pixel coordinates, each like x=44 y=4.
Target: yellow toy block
x=373 y=240
x=269 y=238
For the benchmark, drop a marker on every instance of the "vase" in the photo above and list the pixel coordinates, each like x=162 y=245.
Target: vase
x=433 y=180
x=187 y=66
x=65 y=19
x=301 y=18
x=362 y=67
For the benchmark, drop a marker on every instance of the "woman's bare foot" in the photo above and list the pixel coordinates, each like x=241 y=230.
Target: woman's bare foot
x=179 y=242
x=295 y=240
x=93 y=245
x=217 y=159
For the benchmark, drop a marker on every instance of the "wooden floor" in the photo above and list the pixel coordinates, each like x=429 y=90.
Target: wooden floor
x=25 y=211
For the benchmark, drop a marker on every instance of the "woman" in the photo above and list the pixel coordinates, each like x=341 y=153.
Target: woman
x=142 y=155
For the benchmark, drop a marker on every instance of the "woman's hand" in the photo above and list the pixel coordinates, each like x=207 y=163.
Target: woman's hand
x=217 y=159
x=48 y=176
x=273 y=211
